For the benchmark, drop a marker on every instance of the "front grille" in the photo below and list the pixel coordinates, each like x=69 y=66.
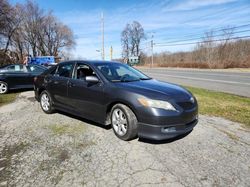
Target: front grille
x=186 y=105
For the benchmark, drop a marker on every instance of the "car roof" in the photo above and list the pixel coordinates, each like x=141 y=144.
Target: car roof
x=89 y=61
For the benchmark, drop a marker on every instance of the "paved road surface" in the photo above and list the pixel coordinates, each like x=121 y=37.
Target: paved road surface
x=37 y=149
x=229 y=82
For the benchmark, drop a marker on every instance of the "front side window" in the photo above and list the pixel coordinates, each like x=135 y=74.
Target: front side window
x=83 y=70
x=65 y=70
x=120 y=73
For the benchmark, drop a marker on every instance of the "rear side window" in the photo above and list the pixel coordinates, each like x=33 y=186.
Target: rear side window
x=65 y=70
x=15 y=68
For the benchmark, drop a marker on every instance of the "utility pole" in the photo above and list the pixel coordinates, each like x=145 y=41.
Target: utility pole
x=102 y=26
x=111 y=53
x=152 y=51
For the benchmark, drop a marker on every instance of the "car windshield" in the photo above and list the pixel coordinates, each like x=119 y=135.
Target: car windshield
x=116 y=72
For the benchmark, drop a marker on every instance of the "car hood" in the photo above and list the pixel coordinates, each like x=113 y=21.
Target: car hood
x=156 y=89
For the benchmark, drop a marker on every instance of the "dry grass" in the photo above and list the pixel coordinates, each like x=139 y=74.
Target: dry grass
x=60 y=129
x=7 y=98
x=232 y=107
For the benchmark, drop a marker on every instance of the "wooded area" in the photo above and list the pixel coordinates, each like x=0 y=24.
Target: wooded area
x=227 y=52
x=26 y=29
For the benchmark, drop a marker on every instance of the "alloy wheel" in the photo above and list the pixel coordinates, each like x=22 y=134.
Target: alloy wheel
x=3 y=87
x=119 y=122
x=45 y=102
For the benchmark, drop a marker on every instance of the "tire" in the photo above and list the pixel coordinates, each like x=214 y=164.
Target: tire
x=3 y=87
x=124 y=122
x=46 y=102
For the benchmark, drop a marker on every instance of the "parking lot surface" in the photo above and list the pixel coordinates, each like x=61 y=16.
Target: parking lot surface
x=37 y=149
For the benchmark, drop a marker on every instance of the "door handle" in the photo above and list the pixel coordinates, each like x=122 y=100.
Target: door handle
x=47 y=80
x=71 y=84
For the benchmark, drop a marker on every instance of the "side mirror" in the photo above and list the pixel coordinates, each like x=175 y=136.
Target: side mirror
x=92 y=79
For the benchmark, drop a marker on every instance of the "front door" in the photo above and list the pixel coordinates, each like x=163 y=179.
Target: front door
x=86 y=98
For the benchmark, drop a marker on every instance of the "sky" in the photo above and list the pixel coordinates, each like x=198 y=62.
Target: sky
x=167 y=22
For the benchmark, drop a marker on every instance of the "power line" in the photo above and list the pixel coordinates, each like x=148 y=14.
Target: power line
x=198 y=38
x=214 y=30
x=146 y=48
x=189 y=43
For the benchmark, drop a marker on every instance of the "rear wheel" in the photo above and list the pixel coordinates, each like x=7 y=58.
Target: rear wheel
x=124 y=122
x=46 y=102
x=3 y=87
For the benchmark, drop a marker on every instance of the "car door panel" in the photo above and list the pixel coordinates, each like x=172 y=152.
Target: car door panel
x=87 y=99
x=58 y=89
x=57 y=85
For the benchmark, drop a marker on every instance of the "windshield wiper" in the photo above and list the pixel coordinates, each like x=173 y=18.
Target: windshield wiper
x=148 y=78
x=131 y=80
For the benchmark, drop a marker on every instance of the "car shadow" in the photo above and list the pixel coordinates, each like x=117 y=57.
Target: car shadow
x=107 y=127
x=20 y=90
x=164 y=141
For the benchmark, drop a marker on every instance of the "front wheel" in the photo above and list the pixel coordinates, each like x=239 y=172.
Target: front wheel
x=124 y=122
x=3 y=87
x=46 y=102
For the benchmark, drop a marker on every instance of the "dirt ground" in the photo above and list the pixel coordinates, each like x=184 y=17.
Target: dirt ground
x=37 y=149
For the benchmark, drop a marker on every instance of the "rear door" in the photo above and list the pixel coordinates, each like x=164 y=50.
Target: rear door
x=58 y=84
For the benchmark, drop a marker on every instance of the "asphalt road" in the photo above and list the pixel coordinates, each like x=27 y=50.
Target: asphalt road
x=37 y=149
x=230 y=82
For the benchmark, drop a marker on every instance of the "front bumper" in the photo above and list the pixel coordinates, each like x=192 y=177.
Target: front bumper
x=157 y=124
x=159 y=132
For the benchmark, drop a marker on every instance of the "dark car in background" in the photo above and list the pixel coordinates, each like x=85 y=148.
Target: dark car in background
x=117 y=94
x=18 y=76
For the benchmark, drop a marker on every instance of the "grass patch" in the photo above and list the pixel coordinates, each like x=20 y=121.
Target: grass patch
x=67 y=129
x=232 y=107
x=7 y=98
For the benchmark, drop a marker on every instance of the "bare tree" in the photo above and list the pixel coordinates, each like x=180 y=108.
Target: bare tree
x=5 y=17
x=131 y=38
x=125 y=36
x=54 y=36
x=10 y=20
x=136 y=34
x=222 y=48
x=27 y=29
x=32 y=25
x=207 y=47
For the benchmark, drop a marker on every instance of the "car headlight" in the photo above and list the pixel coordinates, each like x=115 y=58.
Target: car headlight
x=156 y=103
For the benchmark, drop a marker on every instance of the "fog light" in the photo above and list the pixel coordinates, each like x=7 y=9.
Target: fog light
x=168 y=129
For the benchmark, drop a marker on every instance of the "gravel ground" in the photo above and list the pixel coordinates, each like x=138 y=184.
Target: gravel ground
x=37 y=149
